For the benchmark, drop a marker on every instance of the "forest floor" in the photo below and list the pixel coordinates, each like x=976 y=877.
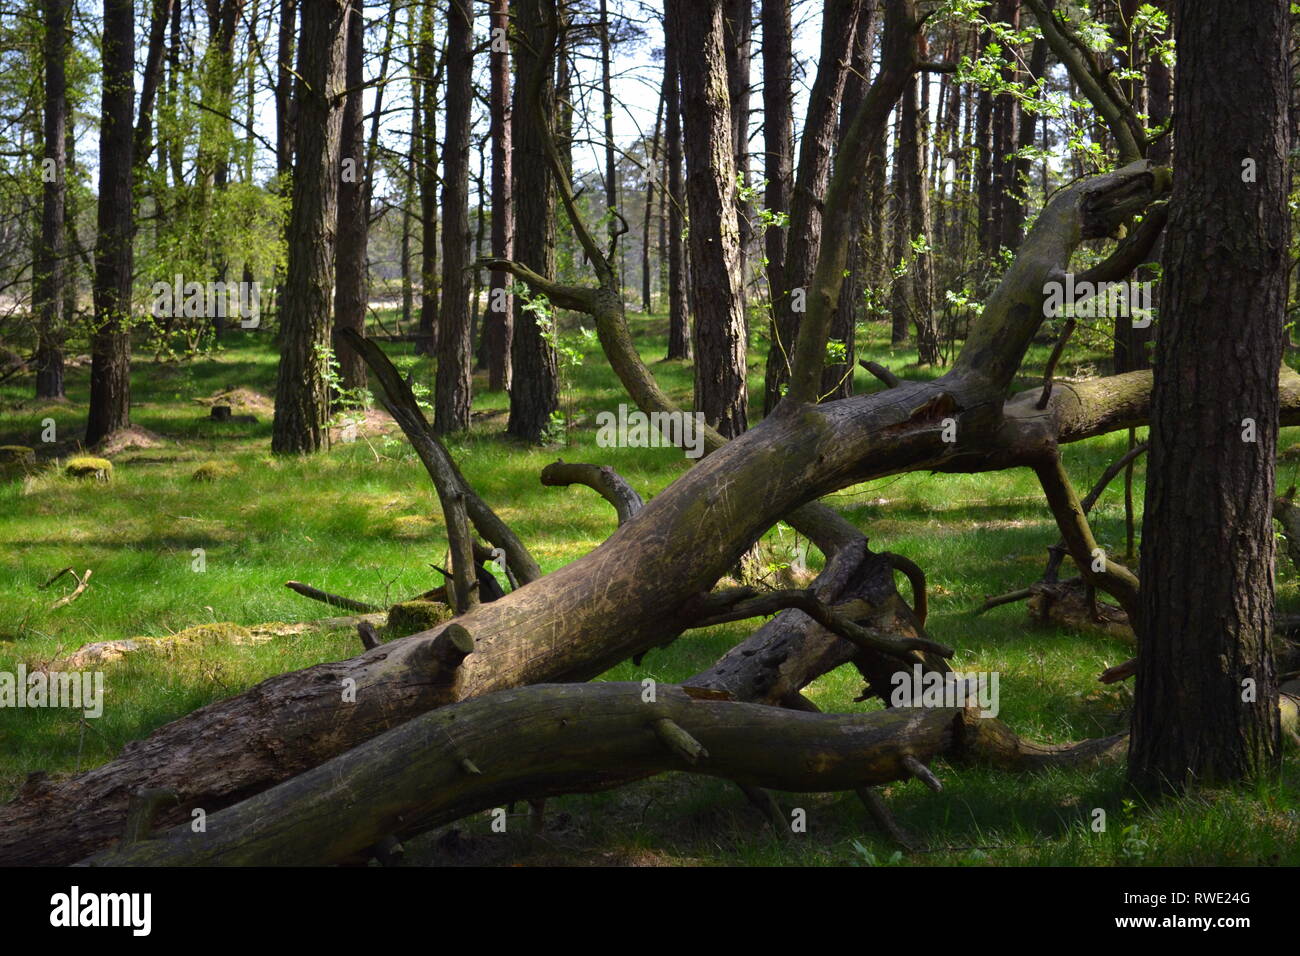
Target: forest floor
x=362 y=520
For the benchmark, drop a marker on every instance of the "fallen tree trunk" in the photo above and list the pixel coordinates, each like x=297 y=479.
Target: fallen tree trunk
x=545 y=740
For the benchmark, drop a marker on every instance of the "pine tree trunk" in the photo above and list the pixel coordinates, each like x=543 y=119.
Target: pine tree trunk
x=110 y=344
x=535 y=386
x=679 y=323
x=804 y=243
x=352 y=281
x=426 y=342
x=301 y=401
x=911 y=152
x=652 y=175
x=452 y=388
x=720 y=391
x=1205 y=705
x=837 y=377
x=498 y=321
x=778 y=141
x=49 y=277
x=738 y=24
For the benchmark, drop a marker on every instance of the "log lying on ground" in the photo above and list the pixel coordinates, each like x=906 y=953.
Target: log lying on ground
x=552 y=739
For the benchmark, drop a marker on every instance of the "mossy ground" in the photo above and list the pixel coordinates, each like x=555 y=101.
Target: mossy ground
x=170 y=552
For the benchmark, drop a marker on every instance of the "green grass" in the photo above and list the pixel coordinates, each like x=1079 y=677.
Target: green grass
x=362 y=520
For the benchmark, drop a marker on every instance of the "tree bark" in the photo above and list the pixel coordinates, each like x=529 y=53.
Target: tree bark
x=546 y=740
x=498 y=320
x=1205 y=704
x=738 y=24
x=301 y=399
x=679 y=323
x=535 y=381
x=607 y=104
x=803 y=244
x=719 y=340
x=778 y=137
x=430 y=68
x=49 y=277
x=352 y=277
x=920 y=273
x=110 y=343
x=452 y=388
x=837 y=378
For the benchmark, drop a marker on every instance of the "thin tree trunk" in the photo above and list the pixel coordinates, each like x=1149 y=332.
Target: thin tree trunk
x=900 y=287
x=911 y=151
x=837 y=377
x=1006 y=110
x=651 y=175
x=352 y=285
x=452 y=388
x=411 y=185
x=840 y=18
x=49 y=273
x=430 y=77
x=679 y=322
x=738 y=20
x=607 y=102
x=778 y=141
x=499 y=322
x=1014 y=214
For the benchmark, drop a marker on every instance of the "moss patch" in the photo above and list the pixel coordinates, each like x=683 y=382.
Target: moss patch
x=411 y=617
x=101 y=469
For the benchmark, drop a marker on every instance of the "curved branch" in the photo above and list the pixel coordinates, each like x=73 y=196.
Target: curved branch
x=916 y=577
x=879 y=371
x=602 y=479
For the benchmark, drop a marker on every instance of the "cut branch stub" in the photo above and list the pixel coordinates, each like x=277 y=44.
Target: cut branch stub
x=678 y=740
x=923 y=773
x=452 y=646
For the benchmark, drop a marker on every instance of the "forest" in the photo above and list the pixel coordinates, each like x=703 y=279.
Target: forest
x=693 y=433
